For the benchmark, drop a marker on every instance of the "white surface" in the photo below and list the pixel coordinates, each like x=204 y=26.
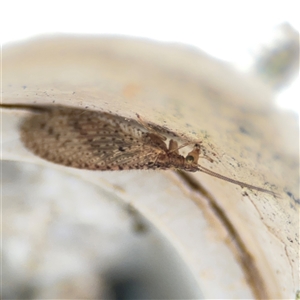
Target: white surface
x=205 y=24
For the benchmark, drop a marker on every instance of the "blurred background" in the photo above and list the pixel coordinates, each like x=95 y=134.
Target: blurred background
x=255 y=36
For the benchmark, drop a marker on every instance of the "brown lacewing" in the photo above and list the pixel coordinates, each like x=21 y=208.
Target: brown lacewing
x=95 y=140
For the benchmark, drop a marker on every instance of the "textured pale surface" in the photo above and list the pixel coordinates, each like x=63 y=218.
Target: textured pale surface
x=203 y=100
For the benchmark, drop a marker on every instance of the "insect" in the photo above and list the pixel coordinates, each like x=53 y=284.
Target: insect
x=94 y=140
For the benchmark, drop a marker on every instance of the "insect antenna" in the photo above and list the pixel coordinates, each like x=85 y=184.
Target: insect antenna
x=32 y=107
x=240 y=183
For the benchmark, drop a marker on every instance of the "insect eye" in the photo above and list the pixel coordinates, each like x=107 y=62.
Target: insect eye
x=189 y=159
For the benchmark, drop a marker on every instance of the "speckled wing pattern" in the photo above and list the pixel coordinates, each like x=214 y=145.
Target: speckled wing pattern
x=88 y=140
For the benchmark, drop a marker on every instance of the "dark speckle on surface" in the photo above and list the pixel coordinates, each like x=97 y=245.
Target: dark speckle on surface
x=292 y=196
x=244 y=130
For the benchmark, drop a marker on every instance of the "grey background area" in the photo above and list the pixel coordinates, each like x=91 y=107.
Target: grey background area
x=64 y=238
